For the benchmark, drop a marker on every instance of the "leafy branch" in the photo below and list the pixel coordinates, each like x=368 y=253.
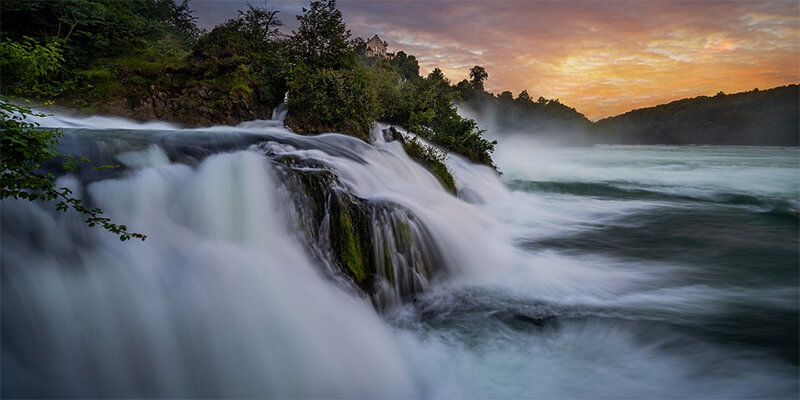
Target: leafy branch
x=24 y=148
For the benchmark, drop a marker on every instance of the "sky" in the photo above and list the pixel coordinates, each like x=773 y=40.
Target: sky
x=601 y=57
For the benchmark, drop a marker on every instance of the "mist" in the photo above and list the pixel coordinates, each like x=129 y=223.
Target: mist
x=531 y=131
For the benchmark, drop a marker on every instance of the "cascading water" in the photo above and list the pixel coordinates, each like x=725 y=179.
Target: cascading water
x=279 y=113
x=280 y=265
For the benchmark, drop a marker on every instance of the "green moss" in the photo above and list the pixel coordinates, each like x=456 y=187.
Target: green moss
x=350 y=249
x=97 y=74
x=242 y=88
x=402 y=232
x=388 y=266
x=440 y=171
x=431 y=160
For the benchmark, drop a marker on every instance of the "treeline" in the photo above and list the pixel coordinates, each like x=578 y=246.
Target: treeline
x=758 y=117
x=146 y=59
x=508 y=115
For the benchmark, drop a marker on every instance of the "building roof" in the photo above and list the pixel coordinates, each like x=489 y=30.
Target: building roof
x=376 y=40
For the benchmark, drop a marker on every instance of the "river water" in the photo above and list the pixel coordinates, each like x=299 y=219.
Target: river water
x=617 y=272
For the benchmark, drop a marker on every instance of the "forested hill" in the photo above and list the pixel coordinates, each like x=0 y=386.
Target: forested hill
x=758 y=117
x=503 y=114
x=147 y=59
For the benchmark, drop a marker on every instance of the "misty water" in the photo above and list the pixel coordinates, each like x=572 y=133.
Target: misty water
x=607 y=271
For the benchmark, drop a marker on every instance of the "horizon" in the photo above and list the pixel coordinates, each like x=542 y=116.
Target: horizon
x=603 y=58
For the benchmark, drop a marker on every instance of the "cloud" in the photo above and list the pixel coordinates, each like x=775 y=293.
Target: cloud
x=602 y=57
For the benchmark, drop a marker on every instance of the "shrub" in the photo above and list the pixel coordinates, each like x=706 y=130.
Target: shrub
x=328 y=100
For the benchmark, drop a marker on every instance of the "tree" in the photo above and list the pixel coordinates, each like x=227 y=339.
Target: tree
x=524 y=97
x=323 y=40
x=23 y=151
x=359 y=45
x=24 y=148
x=258 y=24
x=437 y=77
x=406 y=65
x=25 y=65
x=477 y=75
x=180 y=17
x=331 y=100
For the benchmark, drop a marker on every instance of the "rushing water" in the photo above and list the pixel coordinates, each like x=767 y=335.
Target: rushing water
x=640 y=272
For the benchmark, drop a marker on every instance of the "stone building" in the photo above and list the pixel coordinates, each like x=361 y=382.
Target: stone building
x=377 y=48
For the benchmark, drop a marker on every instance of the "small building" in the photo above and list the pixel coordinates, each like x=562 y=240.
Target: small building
x=377 y=48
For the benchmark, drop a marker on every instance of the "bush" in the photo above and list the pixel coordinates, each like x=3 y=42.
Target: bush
x=25 y=66
x=328 y=100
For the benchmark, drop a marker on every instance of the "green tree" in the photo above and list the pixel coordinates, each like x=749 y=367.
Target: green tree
x=323 y=40
x=331 y=100
x=25 y=66
x=406 y=65
x=506 y=96
x=477 y=76
x=24 y=148
x=258 y=24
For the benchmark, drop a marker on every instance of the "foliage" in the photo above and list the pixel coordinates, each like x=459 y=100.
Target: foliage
x=432 y=160
x=137 y=52
x=425 y=106
x=258 y=24
x=436 y=118
x=25 y=66
x=322 y=40
x=477 y=76
x=23 y=151
x=331 y=100
x=506 y=96
x=95 y=29
x=758 y=117
x=544 y=117
x=406 y=65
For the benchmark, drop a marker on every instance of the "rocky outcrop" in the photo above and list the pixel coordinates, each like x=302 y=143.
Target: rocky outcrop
x=376 y=248
x=198 y=104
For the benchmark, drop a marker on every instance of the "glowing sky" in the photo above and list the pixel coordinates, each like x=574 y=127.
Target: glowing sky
x=601 y=57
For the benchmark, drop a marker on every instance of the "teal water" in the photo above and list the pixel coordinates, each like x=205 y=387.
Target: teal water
x=662 y=271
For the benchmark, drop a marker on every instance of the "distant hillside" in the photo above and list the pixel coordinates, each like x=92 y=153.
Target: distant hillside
x=544 y=118
x=758 y=117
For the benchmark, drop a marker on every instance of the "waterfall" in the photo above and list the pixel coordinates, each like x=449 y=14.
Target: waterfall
x=246 y=278
x=279 y=113
x=282 y=265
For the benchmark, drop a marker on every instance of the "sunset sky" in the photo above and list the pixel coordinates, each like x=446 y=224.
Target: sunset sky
x=601 y=57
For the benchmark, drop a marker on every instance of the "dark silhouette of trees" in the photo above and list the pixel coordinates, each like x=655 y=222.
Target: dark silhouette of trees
x=477 y=76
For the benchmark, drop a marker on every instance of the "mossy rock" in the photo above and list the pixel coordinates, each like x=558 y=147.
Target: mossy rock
x=378 y=245
x=432 y=161
x=350 y=246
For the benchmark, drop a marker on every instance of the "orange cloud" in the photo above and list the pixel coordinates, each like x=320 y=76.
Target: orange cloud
x=602 y=57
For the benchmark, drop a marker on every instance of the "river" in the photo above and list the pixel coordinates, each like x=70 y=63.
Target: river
x=592 y=272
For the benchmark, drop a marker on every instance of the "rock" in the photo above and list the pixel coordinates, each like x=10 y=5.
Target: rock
x=379 y=247
x=391 y=134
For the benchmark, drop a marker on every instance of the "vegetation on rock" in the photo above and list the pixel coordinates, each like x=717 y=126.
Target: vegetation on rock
x=432 y=160
x=146 y=59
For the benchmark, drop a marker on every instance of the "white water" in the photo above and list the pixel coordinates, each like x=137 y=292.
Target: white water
x=222 y=300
